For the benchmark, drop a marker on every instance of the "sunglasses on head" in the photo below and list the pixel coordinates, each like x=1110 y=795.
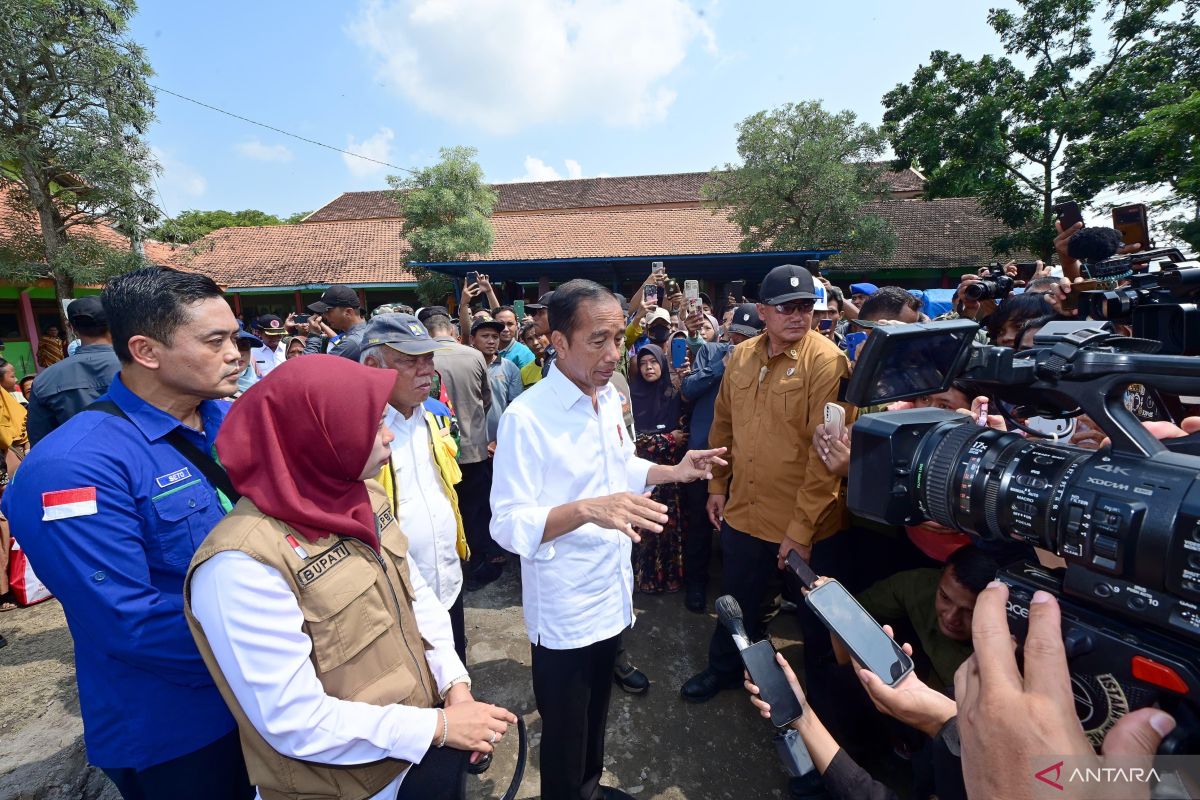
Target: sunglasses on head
x=787 y=309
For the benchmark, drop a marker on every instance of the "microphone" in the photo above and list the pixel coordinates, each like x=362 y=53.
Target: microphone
x=729 y=613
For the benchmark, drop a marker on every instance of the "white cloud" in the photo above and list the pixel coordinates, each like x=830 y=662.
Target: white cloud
x=503 y=66
x=178 y=183
x=377 y=146
x=256 y=150
x=538 y=170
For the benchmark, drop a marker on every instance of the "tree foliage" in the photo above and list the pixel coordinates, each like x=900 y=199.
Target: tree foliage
x=74 y=104
x=804 y=179
x=1011 y=130
x=447 y=211
x=191 y=225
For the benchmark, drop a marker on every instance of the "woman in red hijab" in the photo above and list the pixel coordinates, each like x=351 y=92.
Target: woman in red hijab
x=333 y=654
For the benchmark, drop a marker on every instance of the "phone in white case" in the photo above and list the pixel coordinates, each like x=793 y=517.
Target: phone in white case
x=835 y=420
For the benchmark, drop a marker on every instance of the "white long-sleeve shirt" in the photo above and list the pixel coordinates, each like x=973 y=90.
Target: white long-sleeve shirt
x=422 y=507
x=268 y=358
x=554 y=448
x=255 y=629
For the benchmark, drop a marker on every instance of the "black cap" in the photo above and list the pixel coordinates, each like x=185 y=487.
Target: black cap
x=88 y=310
x=429 y=311
x=335 y=296
x=785 y=283
x=542 y=302
x=401 y=332
x=487 y=323
x=270 y=323
x=746 y=320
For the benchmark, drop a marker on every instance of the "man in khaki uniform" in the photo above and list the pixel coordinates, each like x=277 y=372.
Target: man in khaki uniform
x=775 y=496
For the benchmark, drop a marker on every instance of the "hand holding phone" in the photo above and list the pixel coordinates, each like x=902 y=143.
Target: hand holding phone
x=868 y=643
x=1068 y=214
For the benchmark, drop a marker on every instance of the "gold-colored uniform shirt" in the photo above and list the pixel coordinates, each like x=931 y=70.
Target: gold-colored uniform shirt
x=766 y=412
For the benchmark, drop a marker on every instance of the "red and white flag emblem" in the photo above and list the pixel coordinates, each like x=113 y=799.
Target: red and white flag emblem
x=69 y=503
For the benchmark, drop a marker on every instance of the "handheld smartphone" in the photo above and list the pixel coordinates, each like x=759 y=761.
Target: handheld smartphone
x=738 y=290
x=1068 y=213
x=767 y=675
x=1133 y=224
x=824 y=324
x=866 y=640
x=852 y=341
x=1071 y=301
x=301 y=319
x=657 y=267
x=472 y=278
x=678 y=352
x=691 y=289
x=1025 y=270
x=519 y=309
x=835 y=420
x=650 y=294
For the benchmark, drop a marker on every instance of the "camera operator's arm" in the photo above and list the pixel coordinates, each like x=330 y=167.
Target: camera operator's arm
x=817 y=497
x=842 y=777
x=1008 y=720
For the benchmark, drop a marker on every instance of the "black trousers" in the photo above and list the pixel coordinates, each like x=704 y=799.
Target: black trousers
x=441 y=775
x=697 y=541
x=215 y=770
x=474 y=502
x=747 y=569
x=572 y=689
x=458 y=622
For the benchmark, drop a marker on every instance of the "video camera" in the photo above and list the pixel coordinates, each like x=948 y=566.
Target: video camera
x=1126 y=519
x=1161 y=306
x=996 y=285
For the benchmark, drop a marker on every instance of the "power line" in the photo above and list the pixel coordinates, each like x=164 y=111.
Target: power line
x=279 y=130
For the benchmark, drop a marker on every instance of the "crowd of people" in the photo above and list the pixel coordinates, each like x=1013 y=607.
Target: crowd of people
x=269 y=530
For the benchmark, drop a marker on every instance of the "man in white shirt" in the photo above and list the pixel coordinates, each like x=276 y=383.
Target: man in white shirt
x=271 y=330
x=420 y=488
x=567 y=496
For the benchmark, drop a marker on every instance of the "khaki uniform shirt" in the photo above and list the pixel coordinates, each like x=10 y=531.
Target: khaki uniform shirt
x=766 y=412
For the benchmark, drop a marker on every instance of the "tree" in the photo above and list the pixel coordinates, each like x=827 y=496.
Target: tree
x=803 y=181
x=191 y=225
x=74 y=103
x=447 y=211
x=1006 y=129
x=1161 y=148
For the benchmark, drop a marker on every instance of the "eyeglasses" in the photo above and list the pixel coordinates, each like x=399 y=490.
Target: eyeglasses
x=787 y=309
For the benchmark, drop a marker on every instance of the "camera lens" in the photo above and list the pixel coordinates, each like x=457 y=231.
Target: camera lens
x=999 y=485
x=980 y=290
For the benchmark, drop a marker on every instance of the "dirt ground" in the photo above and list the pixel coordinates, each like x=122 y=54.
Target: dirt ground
x=658 y=747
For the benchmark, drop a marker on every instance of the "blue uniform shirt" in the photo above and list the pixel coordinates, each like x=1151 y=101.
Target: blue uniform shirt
x=117 y=562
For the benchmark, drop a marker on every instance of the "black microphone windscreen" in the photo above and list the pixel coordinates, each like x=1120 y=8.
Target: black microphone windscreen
x=728 y=610
x=1095 y=244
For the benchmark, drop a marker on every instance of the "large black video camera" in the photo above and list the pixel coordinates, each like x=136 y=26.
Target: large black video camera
x=1126 y=519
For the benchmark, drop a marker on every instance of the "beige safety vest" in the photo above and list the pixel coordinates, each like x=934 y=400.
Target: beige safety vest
x=358 y=611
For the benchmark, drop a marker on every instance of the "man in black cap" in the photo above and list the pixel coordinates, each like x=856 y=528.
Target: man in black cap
x=337 y=325
x=64 y=389
x=540 y=313
x=700 y=389
x=774 y=496
x=271 y=330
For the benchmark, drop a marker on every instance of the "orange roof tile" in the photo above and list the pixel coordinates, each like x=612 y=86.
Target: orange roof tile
x=936 y=233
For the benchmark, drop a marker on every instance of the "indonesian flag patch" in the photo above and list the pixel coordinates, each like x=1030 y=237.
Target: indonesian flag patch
x=69 y=503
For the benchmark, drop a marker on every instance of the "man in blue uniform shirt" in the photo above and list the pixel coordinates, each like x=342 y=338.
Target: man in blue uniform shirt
x=109 y=512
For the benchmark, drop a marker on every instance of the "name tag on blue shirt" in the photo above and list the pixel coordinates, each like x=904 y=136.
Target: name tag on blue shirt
x=164 y=481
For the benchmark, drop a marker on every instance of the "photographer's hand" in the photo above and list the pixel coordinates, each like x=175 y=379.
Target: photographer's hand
x=1070 y=266
x=1009 y=722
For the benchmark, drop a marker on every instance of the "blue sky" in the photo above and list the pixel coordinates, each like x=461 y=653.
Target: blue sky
x=542 y=88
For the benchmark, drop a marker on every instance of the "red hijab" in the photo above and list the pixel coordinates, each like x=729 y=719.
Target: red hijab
x=323 y=410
